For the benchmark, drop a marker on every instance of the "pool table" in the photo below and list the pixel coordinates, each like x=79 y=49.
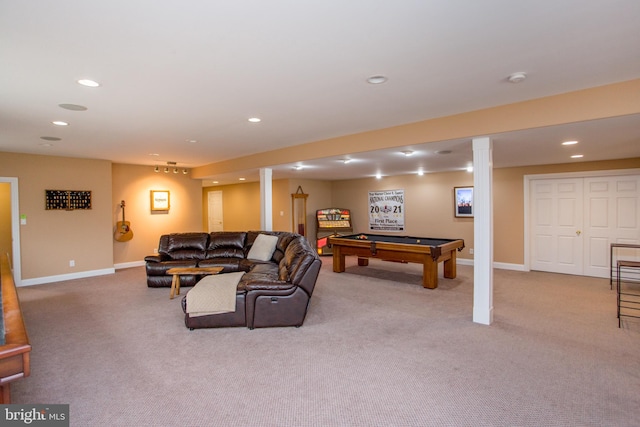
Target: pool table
x=424 y=250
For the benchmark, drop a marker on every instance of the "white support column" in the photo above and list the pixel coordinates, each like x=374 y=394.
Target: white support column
x=483 y=231
x=266 y=200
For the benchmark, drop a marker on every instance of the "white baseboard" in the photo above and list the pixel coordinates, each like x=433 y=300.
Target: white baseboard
x=129 y=264
x=61 y=277
x=92 y=273
x=507 y=266
x=499 y=265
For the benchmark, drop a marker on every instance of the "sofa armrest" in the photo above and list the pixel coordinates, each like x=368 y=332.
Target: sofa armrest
x=153 y=258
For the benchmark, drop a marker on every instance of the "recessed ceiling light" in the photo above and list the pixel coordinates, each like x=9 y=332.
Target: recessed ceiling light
x=255 y=120
x=298 y=168
x=60 y=123
x=345 y=161
x=88 y=83
x=517 y=77
x=50 y=138
x=376 y=80
x=469 y=168
x=408 y=153
x=154 y=154
x=570 y=143
x=378 y=175
x=420 y=172
x=73 y=107
x=215 y=182
x=577 y=156
x=241 y=179
x=193 y=141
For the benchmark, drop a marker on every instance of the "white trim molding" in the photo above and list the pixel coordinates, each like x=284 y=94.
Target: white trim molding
x=62 y=277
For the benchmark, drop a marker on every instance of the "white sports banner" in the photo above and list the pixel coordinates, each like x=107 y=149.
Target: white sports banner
x=386 y=210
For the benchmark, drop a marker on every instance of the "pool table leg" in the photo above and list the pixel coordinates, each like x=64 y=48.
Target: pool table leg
x=338 y=260
x=450 y=266
x=430 y=273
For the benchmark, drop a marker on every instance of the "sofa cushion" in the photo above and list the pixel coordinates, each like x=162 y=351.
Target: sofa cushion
x=284 y=237
x=263 y=247
x=181 y=246
x=226 y=244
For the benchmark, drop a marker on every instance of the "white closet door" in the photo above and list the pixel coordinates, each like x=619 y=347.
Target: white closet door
x=215 y=221
x=612 y=215
x=557 y=221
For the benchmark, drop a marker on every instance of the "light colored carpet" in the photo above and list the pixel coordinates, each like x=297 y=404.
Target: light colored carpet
x=376 y=349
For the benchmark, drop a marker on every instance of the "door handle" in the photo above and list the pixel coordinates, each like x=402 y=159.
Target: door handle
x=578 y=232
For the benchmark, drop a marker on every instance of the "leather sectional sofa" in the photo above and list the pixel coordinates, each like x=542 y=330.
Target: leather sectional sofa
x=275 y=292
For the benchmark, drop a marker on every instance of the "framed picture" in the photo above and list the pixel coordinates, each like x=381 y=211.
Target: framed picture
x=160 y=200
x=463 y=201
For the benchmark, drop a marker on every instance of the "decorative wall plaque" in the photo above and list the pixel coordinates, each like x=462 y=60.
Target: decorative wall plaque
x=67 y=199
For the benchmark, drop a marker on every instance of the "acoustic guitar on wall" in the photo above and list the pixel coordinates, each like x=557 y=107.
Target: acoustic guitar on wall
x=123 y=231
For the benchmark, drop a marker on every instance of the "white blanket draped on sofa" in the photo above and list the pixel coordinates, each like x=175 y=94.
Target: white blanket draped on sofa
x=214 y=295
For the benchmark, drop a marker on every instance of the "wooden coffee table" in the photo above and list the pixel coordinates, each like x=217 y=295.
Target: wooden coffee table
x=196 y=271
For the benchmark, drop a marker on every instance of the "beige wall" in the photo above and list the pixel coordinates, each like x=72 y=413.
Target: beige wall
x=241 y=204
x=508 y=209
x=133 y=184
x=52 y=238
x=429 y=203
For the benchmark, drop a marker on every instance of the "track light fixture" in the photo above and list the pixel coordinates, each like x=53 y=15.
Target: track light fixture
x=171 y=166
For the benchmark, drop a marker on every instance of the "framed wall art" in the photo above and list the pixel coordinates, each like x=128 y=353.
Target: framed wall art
x=463 y=197
x=68 y=200
x=160 y=200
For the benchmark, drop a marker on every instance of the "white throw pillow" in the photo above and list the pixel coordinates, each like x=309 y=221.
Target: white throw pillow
x=263 y=247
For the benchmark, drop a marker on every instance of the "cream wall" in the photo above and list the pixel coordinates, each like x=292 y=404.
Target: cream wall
x=133 y=184
x=429 y=203
x=241 y=204
x=428 y=206
x=508 y=210
x=51 y=238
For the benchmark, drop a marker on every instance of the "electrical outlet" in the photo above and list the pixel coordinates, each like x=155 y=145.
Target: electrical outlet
x=471 y=251
x=155 y=250
x=72 y=263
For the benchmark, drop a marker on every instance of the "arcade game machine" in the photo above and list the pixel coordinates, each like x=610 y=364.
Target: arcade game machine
x=331 y=222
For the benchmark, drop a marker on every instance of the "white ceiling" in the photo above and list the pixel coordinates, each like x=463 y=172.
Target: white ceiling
x=173 y=71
